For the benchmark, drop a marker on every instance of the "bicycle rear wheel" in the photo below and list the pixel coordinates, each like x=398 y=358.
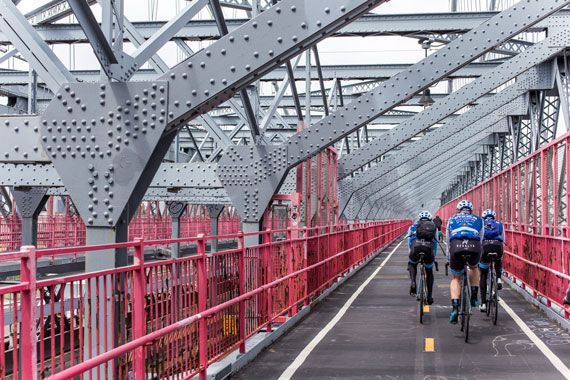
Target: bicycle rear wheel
x=488 y=296
x=421 y=294
x=494 y=298
x=462 y=307
x=466 y=313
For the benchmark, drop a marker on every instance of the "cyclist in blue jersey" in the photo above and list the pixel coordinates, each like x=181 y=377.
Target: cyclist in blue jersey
x=464 y=236
x=493 y=242
x=422 y=237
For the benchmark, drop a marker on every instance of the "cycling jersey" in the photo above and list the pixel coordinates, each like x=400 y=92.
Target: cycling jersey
x=463 y=226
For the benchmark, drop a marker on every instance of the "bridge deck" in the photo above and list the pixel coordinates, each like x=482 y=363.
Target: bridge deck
x=380 y=337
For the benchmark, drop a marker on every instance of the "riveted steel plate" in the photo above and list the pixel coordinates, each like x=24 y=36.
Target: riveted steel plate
x=101 y=137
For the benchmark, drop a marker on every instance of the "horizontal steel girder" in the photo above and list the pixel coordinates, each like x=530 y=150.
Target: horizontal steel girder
x=368 y=182
x=435 y=151
x=369 y=25
x=467 y=94
x=251 y=175
x=330 y=72
x=123 y=130
x=439 y=173
x=439 y=166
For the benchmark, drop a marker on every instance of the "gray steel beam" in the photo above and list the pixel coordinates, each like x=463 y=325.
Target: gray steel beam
x=330 y=72
x=198 y=30
x=223 y=29
x=54 y=10
x=432 y=174
x=130 y=126
x=29 y=43
x=540 y=77
x=252 y=174
x=149 y=48
x=101 y=46
x=467 y=94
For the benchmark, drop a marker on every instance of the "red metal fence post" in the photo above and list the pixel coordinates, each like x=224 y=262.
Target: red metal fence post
x=543 y=194
x=268 y=276
x=241 y=275
x=138 y=308
x=202 y=304
x=28 y=337
x=291 y=283
x=305 y=265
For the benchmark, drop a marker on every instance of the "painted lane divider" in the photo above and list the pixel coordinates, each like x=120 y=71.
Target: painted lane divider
x=429 y=345
x=551 y=356
x=300 y=359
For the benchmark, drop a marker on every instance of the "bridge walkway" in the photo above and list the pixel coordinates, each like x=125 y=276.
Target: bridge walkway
x=379 y=335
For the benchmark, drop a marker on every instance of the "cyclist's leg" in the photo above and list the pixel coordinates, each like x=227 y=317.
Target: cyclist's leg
x=428 y=264
x=457 y=269
x=484 y=270
x=414 y=258
x=499 y=269
x=474 y=274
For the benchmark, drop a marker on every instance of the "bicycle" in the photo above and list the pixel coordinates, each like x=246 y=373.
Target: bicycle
x=422 y=293
x=492 y=290
x=465 y=300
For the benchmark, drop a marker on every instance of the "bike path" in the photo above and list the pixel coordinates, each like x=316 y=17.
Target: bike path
x=380 y=337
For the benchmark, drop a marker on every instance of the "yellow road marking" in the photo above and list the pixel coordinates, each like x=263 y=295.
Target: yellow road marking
x=429 y=345
x=426 y=308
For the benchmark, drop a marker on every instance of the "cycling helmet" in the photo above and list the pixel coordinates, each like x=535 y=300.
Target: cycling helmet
x=425 y=215
x=465 y=204
x=489 y=213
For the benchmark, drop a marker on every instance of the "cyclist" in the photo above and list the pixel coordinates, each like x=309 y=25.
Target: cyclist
x=438 y=223
x=493 y=241
x=464 y=236
x=422 y=239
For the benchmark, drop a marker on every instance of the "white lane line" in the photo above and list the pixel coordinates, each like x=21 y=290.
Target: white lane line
x=300 y=359
x=556 y=362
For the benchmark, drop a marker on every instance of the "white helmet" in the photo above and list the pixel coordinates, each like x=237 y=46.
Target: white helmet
x=424 y=215
x=465 y=204
x=489 y=213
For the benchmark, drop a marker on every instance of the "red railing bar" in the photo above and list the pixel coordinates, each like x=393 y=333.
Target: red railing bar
x=554 y=272
x=151 y=337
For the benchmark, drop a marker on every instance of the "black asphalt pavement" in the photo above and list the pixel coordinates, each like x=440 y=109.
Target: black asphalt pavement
x=380 y=336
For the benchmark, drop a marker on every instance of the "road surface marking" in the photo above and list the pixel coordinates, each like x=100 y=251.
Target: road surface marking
x=300 y=359
x=429 y=345
x=556 y=362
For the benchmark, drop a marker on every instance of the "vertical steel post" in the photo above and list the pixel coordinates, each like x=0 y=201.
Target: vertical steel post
x=305 y=265
x=268 y=276
x=202 y=305
x=241 y=276
x=567 y=171
x=32 y=92
x=138 y=305
x=28 y=336
x=543 y=193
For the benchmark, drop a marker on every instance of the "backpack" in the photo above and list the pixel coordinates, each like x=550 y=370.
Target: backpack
x=425 y=230
x=492 y=230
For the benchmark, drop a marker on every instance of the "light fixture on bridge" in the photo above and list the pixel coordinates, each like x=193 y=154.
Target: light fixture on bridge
x=426 y=100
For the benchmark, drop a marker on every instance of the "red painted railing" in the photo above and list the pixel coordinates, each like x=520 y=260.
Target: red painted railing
x=63 y=231
x=531 y=197
x=169 y=318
